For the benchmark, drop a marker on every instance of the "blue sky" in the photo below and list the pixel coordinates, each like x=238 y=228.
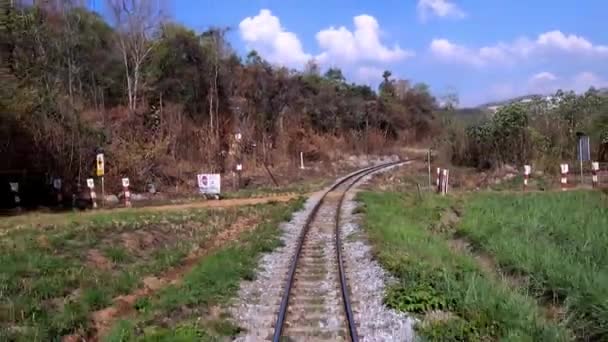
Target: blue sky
x=481 y=49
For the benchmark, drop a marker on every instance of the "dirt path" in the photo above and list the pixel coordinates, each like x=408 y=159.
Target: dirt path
x=45 y=219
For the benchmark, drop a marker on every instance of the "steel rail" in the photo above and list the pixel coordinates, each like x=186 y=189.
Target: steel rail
x=357 y=175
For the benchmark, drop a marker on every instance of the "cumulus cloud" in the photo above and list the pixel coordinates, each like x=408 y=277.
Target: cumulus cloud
x=506 y=53
x=439 y=8
x=341 y=45
x=369 y=75
x=265 y=34
x=542 y=83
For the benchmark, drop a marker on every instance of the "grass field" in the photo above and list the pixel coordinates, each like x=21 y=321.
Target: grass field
x=557 y=242
x=455 y=299
x=53 y=277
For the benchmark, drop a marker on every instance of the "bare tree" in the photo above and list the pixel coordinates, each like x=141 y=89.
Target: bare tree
x=135 y=21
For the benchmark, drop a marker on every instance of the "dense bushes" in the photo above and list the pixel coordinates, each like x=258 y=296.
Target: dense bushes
x=164 y=101
x=543 y=131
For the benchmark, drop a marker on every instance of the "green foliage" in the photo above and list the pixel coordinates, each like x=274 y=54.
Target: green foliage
x=558 y=241
x=542 y=132
x=433 y=278
x=212 y=282
x=418 y=299
x=67 y=74
x=50 y=284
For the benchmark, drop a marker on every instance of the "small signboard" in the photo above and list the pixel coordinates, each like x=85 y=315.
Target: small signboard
x=125 y=182
x=527 y=169
x=209 y=183
x=583 y=148
x=239 y=167
x=14 y=186
x=57 y=183
x=100 y=165
x=90 y=183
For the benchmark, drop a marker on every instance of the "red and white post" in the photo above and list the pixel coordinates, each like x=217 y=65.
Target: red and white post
x=595 y=167
x=564 y=178
x=438 y=181
x=91 y=186
x=527 y=172
x=125 y=188
x=445 y=177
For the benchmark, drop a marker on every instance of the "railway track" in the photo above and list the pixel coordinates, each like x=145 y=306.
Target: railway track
x=315 y=304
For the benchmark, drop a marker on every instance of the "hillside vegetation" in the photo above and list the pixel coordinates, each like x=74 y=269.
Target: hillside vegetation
x=164 y=102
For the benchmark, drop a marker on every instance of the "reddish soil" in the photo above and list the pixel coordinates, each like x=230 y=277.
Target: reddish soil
x=96 y=259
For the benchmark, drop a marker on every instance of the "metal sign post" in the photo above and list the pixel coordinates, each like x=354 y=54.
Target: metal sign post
x=429 y=167
x=583 y=152
x=100 y=173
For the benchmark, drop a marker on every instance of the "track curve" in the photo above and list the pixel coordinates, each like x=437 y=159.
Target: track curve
x=315 y=302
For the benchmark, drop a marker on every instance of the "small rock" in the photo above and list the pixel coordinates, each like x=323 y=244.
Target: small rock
x=138 y=197
x=111 y=199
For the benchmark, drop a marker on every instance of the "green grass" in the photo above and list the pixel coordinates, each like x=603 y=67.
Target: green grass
x=49 y=287
x=433 y=277
x=212 y=282
x=558 y=240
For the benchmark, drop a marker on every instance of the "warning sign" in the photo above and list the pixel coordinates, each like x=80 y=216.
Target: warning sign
x=100 y=165
x=209 y=183
x=90 y=183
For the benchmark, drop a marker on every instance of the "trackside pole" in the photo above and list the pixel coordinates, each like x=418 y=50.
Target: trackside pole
x=302 y=160
x=527 y=171
x=438 y=181
x=91 y=185
x=564 y=178
x=595 y=167
x=445 y=178
x=125 y=188
x=429 y=167
x=15 y=189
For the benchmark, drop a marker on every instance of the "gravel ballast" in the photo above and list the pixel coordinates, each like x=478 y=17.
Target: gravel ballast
x=367 y=282
x=258 y=300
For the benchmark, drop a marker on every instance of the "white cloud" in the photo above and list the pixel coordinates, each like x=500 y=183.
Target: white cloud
x=341 y=45
x=584 y=80
x=265 y=34
x=369 y=75
x=542 y=83
x=439 y=8
x=448 y=51
x=571 y=42
x=543 y=77
x=522 y=48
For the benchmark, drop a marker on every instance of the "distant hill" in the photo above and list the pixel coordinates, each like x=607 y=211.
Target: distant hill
x=526 y=98
x=523 y=98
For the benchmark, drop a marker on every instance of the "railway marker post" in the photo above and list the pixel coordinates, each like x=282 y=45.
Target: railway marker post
x=527 y=171
x=429 y=167
x=445 y=180
x=301 y=160
x=564 y=178
x=100 y=173
x=438 y=180
x=57 y=186
x=15 y=190
x=595 y=167
x=91 y=185
x=127 y=193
